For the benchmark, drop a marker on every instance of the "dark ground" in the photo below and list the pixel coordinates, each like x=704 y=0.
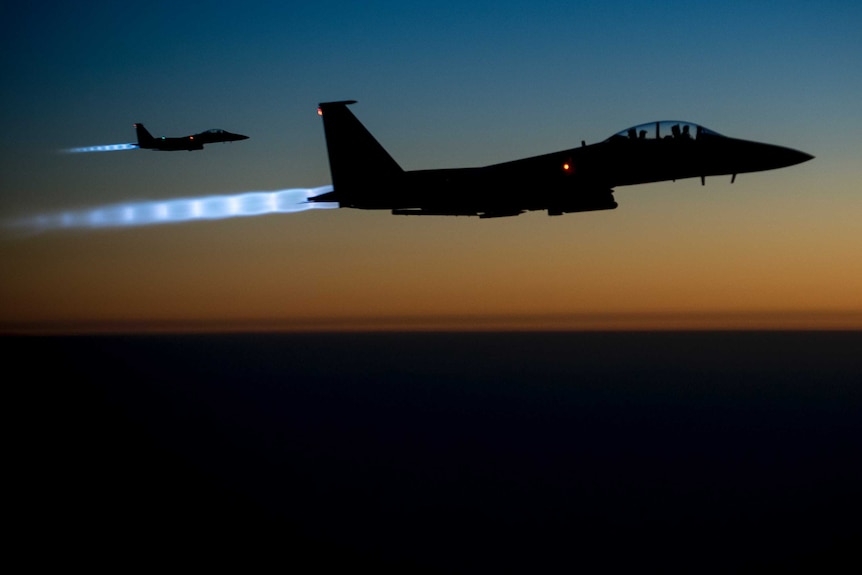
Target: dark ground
x=655 y=452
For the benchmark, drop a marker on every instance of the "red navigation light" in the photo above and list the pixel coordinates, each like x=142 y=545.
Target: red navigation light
x=320 y=111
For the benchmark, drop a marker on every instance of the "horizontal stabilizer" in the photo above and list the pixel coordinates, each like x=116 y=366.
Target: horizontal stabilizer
x=327 y=197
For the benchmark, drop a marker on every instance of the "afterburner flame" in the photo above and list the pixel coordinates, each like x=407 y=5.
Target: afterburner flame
x=178 y=210
x=106 y=148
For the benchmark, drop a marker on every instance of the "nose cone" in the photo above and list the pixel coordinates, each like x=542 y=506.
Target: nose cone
x=770 y=157
x=792 y=157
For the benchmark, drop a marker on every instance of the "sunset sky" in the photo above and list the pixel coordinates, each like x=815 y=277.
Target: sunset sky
x=440 y=84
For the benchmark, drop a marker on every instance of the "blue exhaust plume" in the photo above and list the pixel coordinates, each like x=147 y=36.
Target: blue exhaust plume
x=108 y=148
x=179 y=210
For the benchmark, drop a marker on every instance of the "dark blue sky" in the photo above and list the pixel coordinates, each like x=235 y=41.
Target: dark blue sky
x=440 y=84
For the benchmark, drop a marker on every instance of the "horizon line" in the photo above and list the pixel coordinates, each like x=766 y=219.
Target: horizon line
x=573 y=322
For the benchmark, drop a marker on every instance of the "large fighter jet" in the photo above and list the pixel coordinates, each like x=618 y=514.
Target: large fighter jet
x=581 y=179
x=196 y=142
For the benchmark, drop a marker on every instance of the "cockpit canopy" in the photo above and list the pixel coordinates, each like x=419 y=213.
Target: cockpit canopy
x=668 y=129
x=215 y=132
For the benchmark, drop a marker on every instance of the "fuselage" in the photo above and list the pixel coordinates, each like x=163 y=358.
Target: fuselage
x=540 y=182
x=189 y=143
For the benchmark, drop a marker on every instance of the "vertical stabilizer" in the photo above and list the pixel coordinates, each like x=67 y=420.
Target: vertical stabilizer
x=357 y=161
x=145 y=139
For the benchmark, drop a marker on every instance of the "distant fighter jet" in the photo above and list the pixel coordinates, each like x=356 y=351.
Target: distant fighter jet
x=581 y=179
x=196 y=142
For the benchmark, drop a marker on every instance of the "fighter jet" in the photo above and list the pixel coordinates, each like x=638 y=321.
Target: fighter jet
x=196 y=142
x=581 y=179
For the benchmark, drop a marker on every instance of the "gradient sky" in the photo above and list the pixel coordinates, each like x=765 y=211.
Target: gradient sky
x=440 y=84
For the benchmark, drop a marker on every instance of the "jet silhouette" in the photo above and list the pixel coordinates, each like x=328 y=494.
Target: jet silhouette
x=582 y=179
x=195 y=142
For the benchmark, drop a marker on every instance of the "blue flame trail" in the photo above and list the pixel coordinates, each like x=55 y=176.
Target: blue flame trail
x=178 y=210
x=107 y=148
